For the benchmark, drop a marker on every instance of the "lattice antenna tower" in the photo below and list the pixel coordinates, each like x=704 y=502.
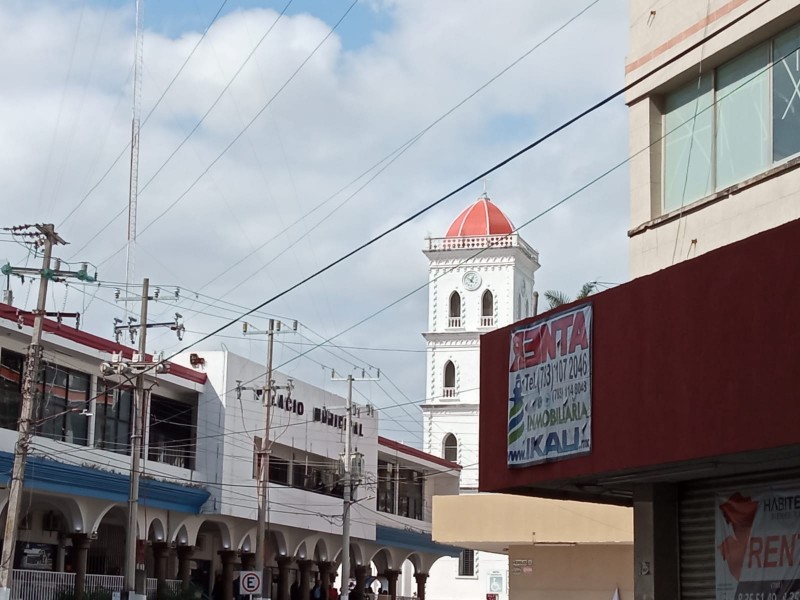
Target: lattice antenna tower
x=133 y=188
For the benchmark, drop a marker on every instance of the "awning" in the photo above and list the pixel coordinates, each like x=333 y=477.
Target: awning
x=412 y=540
x=59 y=478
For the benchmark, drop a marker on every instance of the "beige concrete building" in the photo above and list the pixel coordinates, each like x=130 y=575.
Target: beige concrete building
x=714 y=124
x=556 y=550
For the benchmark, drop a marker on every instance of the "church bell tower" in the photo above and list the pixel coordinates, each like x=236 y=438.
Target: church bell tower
x=481 y=276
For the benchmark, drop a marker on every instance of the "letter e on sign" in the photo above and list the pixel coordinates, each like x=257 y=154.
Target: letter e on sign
x=250 y=582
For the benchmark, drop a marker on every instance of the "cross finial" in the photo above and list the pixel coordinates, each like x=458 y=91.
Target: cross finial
x=485 y=184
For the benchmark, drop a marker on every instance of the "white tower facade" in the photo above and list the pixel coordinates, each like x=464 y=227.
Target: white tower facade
x=481 y=277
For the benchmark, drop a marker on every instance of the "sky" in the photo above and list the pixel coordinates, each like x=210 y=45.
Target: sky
x=281 y=145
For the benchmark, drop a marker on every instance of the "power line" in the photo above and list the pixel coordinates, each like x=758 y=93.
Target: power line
x=549 y=209
x=531 y=220
x=215 y=102
x=147 y=118
x=243 y=131
x=61 y=106
x=391 y=158
x=552 y=207
x=257 y=115
x=325 y=348
x=386 y=161
x=486 y=173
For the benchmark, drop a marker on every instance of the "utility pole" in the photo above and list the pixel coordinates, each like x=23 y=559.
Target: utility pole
x=49 y=238
x=263 y=455
x=135 y=586
x=136 y=453
x=349 y=478
x=266 y=444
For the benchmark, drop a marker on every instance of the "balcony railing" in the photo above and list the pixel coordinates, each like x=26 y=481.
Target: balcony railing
x=169 y=454
x=487 y=321
x=449 y=392
x=511 y=240
x=454 y=322
x=51 y=585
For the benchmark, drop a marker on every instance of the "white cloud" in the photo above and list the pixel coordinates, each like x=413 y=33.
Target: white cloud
x=67 y=113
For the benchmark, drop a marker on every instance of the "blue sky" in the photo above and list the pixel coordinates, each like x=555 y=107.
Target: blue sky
x=174 y=17
x=390 y=71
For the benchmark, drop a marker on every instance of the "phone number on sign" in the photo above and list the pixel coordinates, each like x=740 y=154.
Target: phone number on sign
x=559 y=371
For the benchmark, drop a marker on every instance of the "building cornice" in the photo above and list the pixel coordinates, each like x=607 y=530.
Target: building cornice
x=444 y=408
x=454 y=338
x=490 y=245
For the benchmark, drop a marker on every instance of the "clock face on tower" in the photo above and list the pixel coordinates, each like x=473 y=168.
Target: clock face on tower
x=472 y=281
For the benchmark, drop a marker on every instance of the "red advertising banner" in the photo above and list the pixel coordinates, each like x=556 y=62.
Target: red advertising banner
x=758 y=545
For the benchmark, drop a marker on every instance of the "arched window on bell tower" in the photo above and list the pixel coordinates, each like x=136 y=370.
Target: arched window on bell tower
x=449 y=387
x=450 y=448
x=487 y=309
x=454 y=312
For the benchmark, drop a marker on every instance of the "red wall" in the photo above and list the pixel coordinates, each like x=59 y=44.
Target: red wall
x=694 y=361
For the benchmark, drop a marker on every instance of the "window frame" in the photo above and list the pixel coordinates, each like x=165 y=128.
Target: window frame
x=449 y=391
x=411 y=494
x=446 y=447
x=279 y=470
x=463 y=563
x=104 y=416
x=772 y=41
x=7 y=389
x=171 y=449
x=487 y=318
x=310 y=472
x=713 y=141
x=455 y=310
x=56 y=423
x=740 y=85
x=769 y=119
x=387 y=487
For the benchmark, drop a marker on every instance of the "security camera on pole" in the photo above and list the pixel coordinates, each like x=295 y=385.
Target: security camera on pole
x=352 y=472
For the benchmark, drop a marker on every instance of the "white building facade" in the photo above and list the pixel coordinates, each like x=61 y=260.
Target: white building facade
x=197 y=502
x=481 y=277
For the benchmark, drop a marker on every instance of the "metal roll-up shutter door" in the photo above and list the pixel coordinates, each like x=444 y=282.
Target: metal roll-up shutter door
x=696 y=544
x=696 y=514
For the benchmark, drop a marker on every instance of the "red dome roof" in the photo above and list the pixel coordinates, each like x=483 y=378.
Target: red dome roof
x=482 y=218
